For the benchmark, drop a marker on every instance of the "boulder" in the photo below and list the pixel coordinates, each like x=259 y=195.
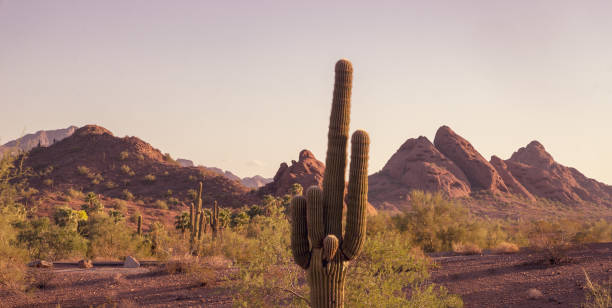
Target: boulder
x=41 y=264
x=85 y=263
x=131 y=262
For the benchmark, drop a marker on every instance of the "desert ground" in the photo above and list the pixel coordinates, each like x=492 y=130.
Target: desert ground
x=484 y=280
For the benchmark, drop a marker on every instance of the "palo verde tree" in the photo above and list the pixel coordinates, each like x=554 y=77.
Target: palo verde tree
x=317 y=240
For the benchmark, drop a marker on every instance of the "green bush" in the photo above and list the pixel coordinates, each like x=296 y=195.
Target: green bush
x=111 y=239
x=44 y=240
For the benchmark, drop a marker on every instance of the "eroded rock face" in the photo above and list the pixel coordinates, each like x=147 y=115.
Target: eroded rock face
x=514 y=186
x=538 y=172
x=417 y=165
x=307 y=171
x=480 y=173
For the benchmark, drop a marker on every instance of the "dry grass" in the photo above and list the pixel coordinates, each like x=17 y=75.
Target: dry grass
x=201 y=270
x=505 y=247
x=598 y=296
x=466 y=248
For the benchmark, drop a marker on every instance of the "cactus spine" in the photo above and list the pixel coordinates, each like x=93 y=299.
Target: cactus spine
x=317 y=243
x=139 y=225
x=214 y=220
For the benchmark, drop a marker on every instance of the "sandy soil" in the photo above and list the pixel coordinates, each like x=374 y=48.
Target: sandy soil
x=487 y=280
x=494 y=280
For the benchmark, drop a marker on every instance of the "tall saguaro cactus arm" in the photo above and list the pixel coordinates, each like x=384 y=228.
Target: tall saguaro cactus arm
x=357 y=196
x=317 y=240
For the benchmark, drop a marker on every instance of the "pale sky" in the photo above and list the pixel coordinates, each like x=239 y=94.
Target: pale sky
x=245 y=85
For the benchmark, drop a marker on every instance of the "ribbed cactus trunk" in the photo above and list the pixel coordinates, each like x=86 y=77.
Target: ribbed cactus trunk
x=317 y=242
x=139 y=230
x=196 y=213
x=201 y=225
x=214 y=220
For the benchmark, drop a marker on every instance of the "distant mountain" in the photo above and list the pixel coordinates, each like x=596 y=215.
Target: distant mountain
x=93 y=159
x=255 y=181
x=42 y=138
x=453 y=166
x=250 y=182
x=185 y=162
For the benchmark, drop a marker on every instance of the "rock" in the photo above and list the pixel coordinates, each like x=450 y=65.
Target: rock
x=307 y=171
x=185 y=162
x=131 y=262
x=513 y=185
x=534 y=294
x=542 y=176
x=41 y=264
x=85 y=263
x=480 y=173
x=417 y=165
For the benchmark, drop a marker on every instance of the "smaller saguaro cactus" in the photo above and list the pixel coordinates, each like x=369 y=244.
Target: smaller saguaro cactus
x=214 y=220
x=201 y=225
x=139 y=225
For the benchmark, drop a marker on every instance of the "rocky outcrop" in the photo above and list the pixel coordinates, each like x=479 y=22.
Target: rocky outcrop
x=538 y=172
x=417 y=165
x=514 y=186
x=307 y=171
x=480 y=173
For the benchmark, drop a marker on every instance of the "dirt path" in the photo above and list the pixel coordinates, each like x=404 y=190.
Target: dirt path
x=492 y=280
x=125 y=287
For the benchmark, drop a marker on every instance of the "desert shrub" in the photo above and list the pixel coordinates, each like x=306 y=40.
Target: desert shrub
x=173 y=201
x=75 y=194
x=82 y=170
x=111 y=240
x=44 y=240
x=134 y=217
x=110 y=184
x=127 y=195
x=124 y=155
x=149 y=178
x=387 y=266
x=160 y=242
x=597 y=296
x=434 y=223
x=93 y=204
x=12 y=257
x=48 y=182
x=160 y=204
x=119 y=205
x=466 y=248
x=68 y=218
x=127 y=170
x=116 y=216
x=552 y=238
x=505 y=247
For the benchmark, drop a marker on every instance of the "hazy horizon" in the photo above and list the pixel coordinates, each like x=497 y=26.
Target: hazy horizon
x=245 y=86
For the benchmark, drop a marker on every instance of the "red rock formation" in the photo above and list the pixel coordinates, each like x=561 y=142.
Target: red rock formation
x=480 y=173
x=536 y=169
x=417 y=165
x=307 y=171
x=513 y=185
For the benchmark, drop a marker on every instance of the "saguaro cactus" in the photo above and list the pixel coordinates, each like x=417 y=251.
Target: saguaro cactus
x=195 y=213
x=317 y=242
x=201 y=225
x=139 y=225
x=214 y=220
